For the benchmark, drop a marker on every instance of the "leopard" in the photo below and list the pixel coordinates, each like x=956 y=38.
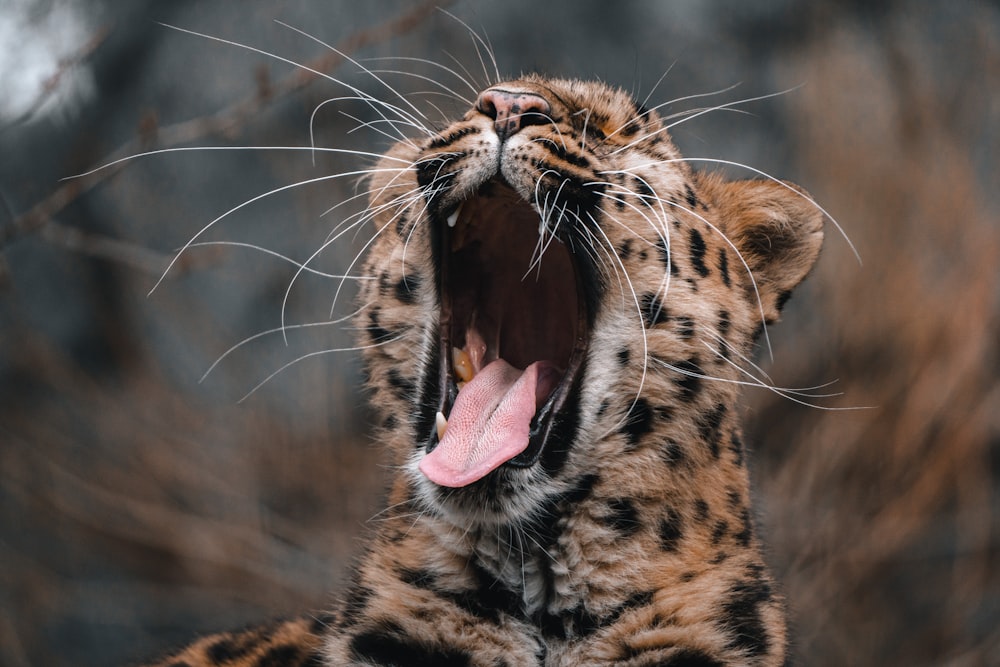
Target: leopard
x=561 y=314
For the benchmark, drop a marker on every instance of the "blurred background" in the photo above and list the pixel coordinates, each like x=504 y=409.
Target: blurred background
x=141 y=505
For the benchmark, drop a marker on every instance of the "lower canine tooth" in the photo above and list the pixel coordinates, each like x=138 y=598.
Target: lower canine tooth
x=442 y=423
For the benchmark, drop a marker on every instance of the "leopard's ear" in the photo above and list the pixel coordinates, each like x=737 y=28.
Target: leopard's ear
x=778 y=229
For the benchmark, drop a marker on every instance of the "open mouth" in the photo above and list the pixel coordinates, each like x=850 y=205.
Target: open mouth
x=514 y=330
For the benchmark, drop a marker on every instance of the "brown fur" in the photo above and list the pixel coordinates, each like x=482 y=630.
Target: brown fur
x=636 y=547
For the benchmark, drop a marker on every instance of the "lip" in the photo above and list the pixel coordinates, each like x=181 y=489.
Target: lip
x=526 y=308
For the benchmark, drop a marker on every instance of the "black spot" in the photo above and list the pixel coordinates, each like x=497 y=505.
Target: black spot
x=376 y=331
x=724 y=266
x=402 y=224
x=638 y=423
x=689 y=657
x=782 y=300
x=688 y=380
x=653 y=310
x=280 y=656
x=698 y=252
x=435 y=177
x=402 y=388
x=720 y=557
x=709 y=425
x=228 y=649
x=724 y=322
x=689 y=196
x=644 y=192
x=406 y=288
x=736 y=447
x=672 y=453
x=700 y=509
x=551 y=626
x=741 y=616
x=355 y=604
x=625 y=249
x=622 y=516
x=580 y=491
x=390 y=646
x=545 y=522
x=719 y=531
x=390 y=423
x=561 y=151
x=579 y=195
x=744 y=536
x=179 y=663
x=445 y=139
x=418 y=579
x=671 y=530
x=580 y=622
x=623 y=356
x=684 y=327
x=667 y=257
x=489 y=599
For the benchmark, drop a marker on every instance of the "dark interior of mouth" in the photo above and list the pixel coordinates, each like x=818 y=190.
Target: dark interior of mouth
x=505 y=286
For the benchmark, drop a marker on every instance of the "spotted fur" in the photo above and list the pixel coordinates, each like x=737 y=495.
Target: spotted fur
x=626 y=537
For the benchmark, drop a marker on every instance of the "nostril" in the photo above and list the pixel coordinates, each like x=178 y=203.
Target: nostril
x=485 y=105
x=512 y=110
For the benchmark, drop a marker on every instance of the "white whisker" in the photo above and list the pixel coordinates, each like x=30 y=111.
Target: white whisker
x=272 y=253
x=317 y=353
x=282 y=329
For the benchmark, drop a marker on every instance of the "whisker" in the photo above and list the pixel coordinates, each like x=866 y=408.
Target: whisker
x=246 y=203
x=477 y=40
x=448 y=90
x=317 y=353
x=355 y=98
x=372 y=101
x=272 y=253
x=676 y=100
x=351 y=60
x=702 y=112
x=432 y=63
x=184 y=149
x=282 y=329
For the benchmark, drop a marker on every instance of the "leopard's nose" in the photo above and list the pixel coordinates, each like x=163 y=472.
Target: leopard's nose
x=512 y=110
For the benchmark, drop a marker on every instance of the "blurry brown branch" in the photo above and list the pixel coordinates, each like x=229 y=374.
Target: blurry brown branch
x=223 y=122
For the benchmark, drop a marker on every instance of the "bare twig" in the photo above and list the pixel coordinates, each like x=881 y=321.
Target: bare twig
x=222 y=122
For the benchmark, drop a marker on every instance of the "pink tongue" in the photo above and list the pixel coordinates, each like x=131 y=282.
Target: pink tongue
x=490 y=422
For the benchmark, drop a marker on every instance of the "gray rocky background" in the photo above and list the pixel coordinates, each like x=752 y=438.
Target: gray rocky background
x=140 y=506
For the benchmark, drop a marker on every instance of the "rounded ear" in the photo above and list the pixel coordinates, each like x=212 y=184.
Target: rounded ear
x=778 y=230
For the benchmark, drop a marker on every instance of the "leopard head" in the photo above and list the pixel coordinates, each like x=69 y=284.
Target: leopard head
x=560 y=294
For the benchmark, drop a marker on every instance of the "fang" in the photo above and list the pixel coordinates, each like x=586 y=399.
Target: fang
x=442 y=424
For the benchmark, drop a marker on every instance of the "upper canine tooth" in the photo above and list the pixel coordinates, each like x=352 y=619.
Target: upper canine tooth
x=462 y=364
x=453 y=218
